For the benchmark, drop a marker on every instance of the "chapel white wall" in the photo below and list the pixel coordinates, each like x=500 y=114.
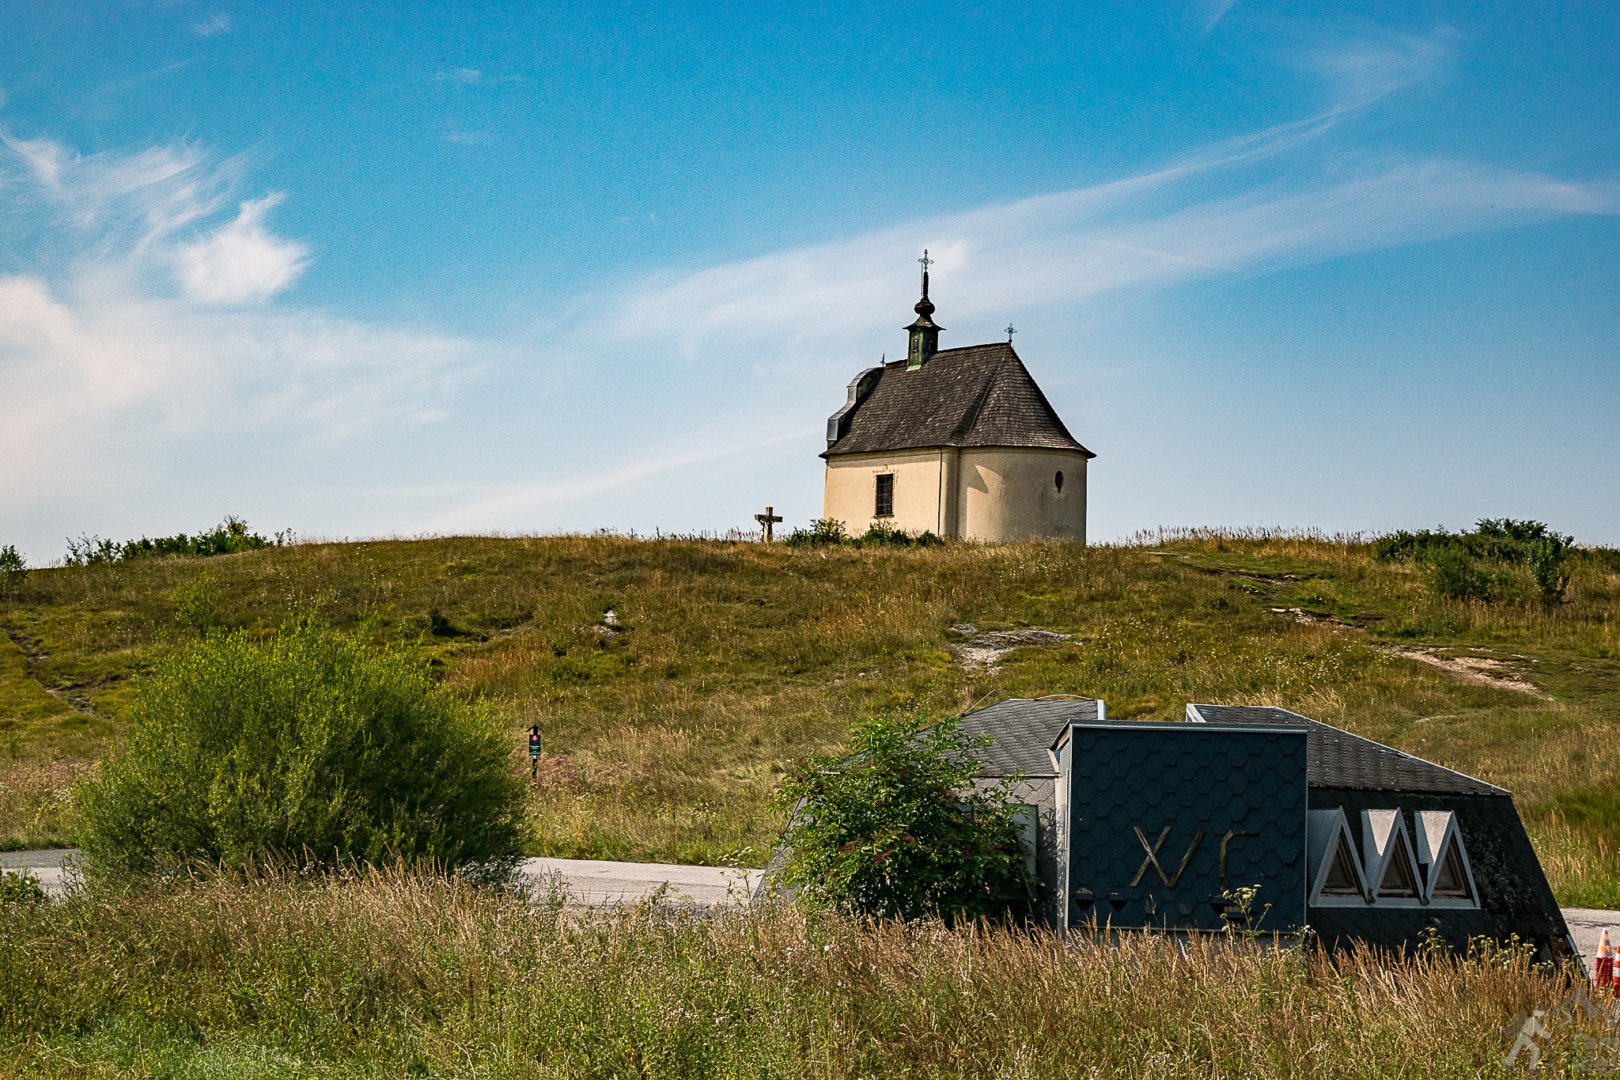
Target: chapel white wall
x=852 y=481
x=990 y=494
x=1012 y=494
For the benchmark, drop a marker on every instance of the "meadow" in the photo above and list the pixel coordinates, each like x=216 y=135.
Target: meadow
x=393 y=974
x=668 y=722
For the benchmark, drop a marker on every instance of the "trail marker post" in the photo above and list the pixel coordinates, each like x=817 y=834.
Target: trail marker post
x=534 y=753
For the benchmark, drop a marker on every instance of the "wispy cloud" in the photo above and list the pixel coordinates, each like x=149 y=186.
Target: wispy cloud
x=217 y=22
x=120 y=201
x=496 y=506
x=125 y=343
x=1375 y=64
x=1209 y=13
x=466 y=76
x=1246 y=205
x=462 y=137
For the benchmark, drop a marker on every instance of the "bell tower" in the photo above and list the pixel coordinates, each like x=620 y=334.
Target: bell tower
x=924 y=334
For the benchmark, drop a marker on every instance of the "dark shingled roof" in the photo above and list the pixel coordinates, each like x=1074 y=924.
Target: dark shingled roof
x=1338 y=759
x=1022 y=730
x=978 y=396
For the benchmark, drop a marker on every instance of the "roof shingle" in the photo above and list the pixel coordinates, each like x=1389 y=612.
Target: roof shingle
x=981 y=395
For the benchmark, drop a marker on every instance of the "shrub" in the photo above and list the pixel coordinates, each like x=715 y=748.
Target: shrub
x=897 y=829
x=1454 y=559
x=1548 y=557
x=1456 y=576
x=882 y=534
x=13 y=569
x=20 y=887
x=308 y=748
x=822 y=531
x=227 y=538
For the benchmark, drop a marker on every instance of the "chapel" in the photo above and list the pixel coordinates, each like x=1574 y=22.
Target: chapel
x=958 y=442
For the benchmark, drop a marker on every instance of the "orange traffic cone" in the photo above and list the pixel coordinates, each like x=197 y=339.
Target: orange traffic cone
x=1603 y=969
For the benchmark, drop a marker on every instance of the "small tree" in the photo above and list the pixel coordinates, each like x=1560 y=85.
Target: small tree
x=13 y=570
x=309 y=748
x=898 y=829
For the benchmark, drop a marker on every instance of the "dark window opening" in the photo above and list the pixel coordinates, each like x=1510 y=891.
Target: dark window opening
x=1451 y=881
x=883 y=505
x=1058 y=481
x=1341 y=876
x=1398 y=880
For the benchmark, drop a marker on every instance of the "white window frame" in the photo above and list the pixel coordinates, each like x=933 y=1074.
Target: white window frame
x=1384 y=838
x=1438 y=832
x=1325 y=831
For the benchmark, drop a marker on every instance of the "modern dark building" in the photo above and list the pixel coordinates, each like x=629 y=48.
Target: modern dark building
x=1162 y=825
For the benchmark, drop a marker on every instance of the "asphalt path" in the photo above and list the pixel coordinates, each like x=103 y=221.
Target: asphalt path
x=598 y=883
x=583 y=882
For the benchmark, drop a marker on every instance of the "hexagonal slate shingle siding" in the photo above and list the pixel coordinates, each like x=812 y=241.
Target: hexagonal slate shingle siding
x=1168 y=819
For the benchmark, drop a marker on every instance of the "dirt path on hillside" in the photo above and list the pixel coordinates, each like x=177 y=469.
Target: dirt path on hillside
x=35 y=657
x=1480 y=670
x=980 y=652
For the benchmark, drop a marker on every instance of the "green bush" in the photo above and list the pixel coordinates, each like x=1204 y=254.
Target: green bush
x=822 y=531
x=1549 y=564
x=227 y=538
x=20 y=887
x=309 y=748
x=1456 y=576
x=830 y=531
x=1457 y=562
x=12 y=570
x=897 y=829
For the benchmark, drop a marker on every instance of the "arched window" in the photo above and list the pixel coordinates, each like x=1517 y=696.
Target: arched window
x=1057 y=481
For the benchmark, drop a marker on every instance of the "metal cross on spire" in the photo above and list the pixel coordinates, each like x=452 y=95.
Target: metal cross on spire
x=1010 y=333
x=926 y=261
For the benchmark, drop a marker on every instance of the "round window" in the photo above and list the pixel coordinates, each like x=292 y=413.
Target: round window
x=1058 y=481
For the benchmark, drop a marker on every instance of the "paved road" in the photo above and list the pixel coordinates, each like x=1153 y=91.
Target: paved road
x=594 y=883
x=587 y=882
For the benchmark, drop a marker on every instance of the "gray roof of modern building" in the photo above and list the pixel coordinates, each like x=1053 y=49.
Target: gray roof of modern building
x=1337 y=759
x=1022 y=731
x=977 y=396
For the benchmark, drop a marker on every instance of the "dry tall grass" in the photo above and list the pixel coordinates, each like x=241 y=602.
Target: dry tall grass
x=394 y=975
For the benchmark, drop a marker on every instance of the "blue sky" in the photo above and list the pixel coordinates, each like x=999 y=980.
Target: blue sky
x=360 y=272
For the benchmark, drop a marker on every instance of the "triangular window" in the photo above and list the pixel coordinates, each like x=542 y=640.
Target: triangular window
x=1341 y=875
x=1451 y=880
x=1399 y=880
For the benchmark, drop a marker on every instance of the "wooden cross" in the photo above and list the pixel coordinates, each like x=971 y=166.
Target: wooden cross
x=767 y=519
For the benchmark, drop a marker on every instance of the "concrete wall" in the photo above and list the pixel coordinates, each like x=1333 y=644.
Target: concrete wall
x=1011 y=494
x=919 y=490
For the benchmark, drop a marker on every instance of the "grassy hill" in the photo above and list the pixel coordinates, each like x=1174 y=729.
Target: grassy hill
x=667 y=723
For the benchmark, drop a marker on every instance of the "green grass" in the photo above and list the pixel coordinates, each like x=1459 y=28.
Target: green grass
x=664 y=740
x=394 y=975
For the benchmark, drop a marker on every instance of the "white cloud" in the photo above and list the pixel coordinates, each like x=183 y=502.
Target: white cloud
x=466 y=76
x=241 y=261
x=1375 y=65
x=1068 y=247
x=216 y=23
x=107 y=370
x=1209 y=13
x=119 y=204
